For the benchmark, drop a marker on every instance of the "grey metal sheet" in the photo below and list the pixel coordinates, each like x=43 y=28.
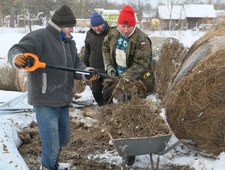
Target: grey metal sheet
x=28 y=108
x=141 y=146
x=17 y=104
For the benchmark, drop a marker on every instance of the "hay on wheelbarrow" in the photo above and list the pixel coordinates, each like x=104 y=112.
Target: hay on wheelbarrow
x=133 y=118
x=195 y=103
x=124 y=86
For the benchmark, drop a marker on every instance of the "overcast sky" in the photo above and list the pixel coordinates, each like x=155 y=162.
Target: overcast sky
x=154 y=3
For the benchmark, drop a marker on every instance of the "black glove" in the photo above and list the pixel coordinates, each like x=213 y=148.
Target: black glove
x=111 y=71
x=23 y=62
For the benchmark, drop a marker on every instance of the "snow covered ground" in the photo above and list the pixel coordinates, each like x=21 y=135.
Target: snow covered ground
x=11 y=122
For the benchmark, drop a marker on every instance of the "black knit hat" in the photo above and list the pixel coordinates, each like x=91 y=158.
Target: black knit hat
x=64 y=17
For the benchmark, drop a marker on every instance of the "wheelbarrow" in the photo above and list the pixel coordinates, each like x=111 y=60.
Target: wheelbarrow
x=144 y=145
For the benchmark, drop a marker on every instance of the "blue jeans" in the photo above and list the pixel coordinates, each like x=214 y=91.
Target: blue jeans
x=54 y=130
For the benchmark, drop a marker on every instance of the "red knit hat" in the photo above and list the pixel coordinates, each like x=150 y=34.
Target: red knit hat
x=127 y=16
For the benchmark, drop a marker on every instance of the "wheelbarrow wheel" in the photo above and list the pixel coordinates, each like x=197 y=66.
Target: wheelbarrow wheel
x=130 y=160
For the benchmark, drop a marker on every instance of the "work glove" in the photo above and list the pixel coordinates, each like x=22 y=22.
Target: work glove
x=93 y=76
x=23 y=62
x=111 y=71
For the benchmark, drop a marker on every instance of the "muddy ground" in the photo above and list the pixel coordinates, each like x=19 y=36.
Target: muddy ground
x=84 y=141
x=93 y=140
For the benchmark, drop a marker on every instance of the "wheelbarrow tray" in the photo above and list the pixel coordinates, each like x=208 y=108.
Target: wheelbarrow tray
x=141 y=145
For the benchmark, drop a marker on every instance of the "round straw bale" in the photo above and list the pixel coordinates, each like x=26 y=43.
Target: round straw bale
x=79 y=85
x=22 y=79
x=8 y=79
x=170 y=54
x=217 y=31
x=195 y=103
x=157 y=43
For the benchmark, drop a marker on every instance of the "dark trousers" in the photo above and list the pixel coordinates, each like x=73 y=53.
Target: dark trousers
x=101 y=97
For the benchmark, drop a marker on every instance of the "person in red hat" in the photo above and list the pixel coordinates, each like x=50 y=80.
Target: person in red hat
x=127 y=52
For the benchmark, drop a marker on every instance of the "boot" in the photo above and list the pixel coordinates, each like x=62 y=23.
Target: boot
x=130 y=160
x=43 y=168
x=63 y=166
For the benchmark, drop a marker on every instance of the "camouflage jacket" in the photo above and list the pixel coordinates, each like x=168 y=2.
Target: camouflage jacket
x=138 y=52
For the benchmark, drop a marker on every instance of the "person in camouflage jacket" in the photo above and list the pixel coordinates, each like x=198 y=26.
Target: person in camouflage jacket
x=127 y=51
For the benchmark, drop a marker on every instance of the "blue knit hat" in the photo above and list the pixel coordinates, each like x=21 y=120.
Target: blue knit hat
x=96 y=19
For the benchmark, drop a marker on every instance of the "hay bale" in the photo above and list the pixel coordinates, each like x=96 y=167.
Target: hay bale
x=79 y=85
x=195 y=102
x=16 y=80
x=8 y=79
x=22 y=79
x=21 y=75
x=170 y=55
x=157 y=43
x=217 y=31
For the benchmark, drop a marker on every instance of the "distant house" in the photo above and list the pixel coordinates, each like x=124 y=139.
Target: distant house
x=173 y=17
x=185 y=16
x=145 y=22
x=109 y=15
x=197 y=14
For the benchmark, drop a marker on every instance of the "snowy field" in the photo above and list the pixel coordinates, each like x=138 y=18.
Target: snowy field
x=10 y=122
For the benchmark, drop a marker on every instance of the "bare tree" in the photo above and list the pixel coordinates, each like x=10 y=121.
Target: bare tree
x=12 y=14
x=170 y=7
x=1 y=15
x=81 y=8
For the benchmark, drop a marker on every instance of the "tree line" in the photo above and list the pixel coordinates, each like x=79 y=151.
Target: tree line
x=30 y=9
x=81 y=8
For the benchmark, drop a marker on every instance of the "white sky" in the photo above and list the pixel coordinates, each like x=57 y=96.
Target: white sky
x=10 y=123
x=154 y=3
